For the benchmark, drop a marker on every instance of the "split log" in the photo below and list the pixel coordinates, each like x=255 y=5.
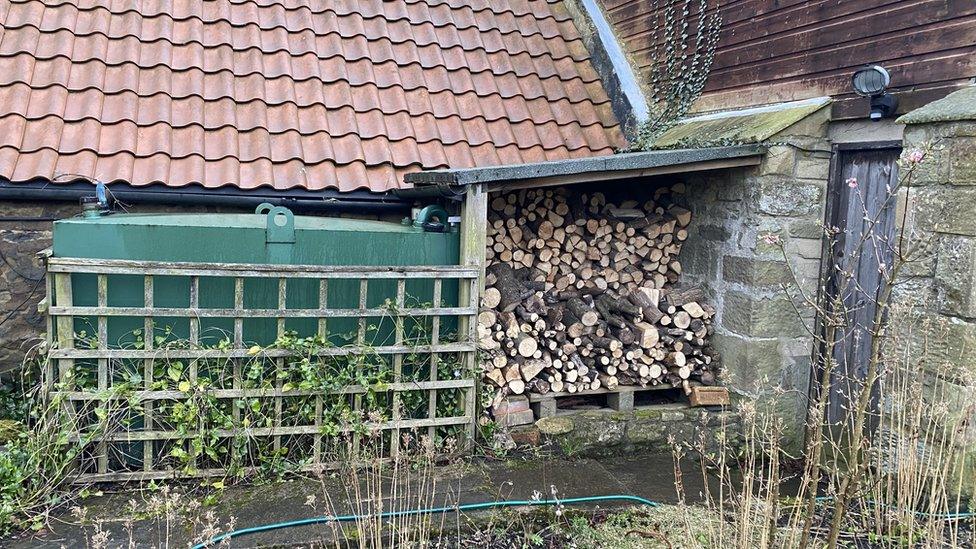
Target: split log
x=581 y=294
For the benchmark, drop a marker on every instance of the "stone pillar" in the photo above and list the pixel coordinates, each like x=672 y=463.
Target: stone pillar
x=740 y=218
x=938 y=293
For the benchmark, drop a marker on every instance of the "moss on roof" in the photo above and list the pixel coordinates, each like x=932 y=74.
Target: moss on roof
x=957 y=106
x=754 y=125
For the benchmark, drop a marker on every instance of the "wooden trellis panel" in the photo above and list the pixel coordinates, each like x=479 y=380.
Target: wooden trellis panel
x=138 y=441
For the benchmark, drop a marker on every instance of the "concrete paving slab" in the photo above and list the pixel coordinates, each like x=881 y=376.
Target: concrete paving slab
x=648 y=476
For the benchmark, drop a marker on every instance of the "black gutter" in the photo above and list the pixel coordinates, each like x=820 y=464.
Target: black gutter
x=327 y=201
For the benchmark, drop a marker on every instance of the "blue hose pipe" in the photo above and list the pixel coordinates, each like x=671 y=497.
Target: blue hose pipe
x=408 y=512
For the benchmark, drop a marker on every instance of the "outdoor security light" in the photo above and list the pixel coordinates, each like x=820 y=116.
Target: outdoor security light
x=872 y=81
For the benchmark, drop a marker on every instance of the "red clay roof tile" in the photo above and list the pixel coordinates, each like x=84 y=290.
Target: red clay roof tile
x=346 y=94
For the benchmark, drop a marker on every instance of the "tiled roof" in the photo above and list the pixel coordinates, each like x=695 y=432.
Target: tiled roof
x=343 y=94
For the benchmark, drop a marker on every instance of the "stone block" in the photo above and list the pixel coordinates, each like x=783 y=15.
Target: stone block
x=934 y=343
x=962 y=161
x=929 y=133
x=714 y=233
x=781 y=196
x=754 y=237
x=806 y=228
x=807 y=248
x=621 y=401
x=749 y=363
x=913 y=293
x=699 y=260
x=947 y=210
x=555 y=425
x=813 y=167
x=760 y=316
x=672 y=415
x=647 y=430
x=779 y=160
x=807 y=273
x=603 y=429
x=934 y=170
x=755 y=272
x=955 y=275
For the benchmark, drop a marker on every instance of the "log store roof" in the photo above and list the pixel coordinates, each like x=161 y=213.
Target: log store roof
x=292 y=94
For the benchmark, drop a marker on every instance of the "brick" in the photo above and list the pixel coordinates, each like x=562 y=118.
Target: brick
x=511 y=404
x=528 y=435
x=515 y=419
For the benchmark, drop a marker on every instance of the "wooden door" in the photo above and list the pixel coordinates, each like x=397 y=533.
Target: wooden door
x=861 y=208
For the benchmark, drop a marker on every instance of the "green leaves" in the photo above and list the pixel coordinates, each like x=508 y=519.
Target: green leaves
x=175 y=371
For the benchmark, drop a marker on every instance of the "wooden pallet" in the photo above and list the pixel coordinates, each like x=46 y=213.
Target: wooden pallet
x=620 y=399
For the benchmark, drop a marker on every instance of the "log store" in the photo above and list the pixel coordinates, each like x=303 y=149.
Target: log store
x=582 y=290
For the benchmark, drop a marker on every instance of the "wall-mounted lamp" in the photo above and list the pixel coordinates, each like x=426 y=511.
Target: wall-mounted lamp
x=872 y=81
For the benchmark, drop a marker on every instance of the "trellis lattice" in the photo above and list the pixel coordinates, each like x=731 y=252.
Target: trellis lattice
x=206 y=369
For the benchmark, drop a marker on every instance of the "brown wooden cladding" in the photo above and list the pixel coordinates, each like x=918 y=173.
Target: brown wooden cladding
x=781 y=50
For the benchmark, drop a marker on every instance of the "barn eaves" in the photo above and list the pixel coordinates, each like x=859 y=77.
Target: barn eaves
x=586 y=170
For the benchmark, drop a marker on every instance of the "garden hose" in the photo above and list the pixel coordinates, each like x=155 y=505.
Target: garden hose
x=944 y=516
x=480 y=506
x=408 y=512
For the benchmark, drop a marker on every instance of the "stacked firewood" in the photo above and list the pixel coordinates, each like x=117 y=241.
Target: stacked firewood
x=582 y=294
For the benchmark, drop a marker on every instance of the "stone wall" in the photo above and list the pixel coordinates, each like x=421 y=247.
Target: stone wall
x=739 y=219
x=650 y=429
x=937 y=294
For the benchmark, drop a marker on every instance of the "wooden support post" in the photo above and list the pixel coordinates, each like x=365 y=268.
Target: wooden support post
x=474 y=229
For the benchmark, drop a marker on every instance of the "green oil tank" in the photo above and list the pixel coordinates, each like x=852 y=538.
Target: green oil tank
x=271 y=235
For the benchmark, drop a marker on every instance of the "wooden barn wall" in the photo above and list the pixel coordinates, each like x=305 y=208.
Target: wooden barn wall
x=780 y=50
